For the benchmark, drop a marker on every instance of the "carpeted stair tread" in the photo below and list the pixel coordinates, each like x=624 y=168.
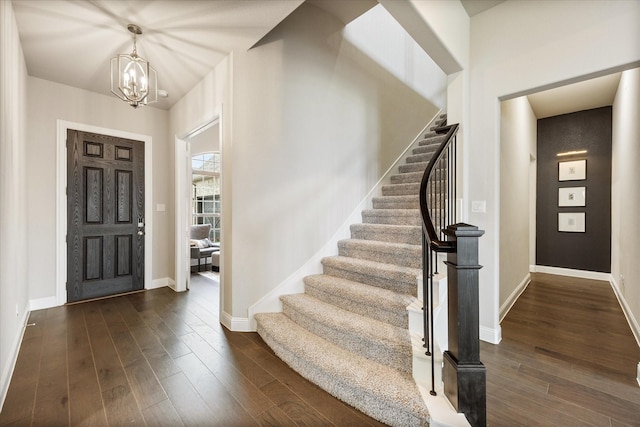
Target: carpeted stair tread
x=371 y=338
x=379 y=391
x=401 y=189
x=411 y=201
x=387 y=233
x=413 y=167
x=392 y=216
x=407 y=178
x=425 y=149
x=384 y=252
x=432 y=139
x=419 y=158
x=377 y=303
x=386 y=276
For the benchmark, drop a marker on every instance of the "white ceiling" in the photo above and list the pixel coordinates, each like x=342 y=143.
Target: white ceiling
x=585 y=95
x=71 y=42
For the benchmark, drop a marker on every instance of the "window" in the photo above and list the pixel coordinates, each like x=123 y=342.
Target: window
x=205 y=200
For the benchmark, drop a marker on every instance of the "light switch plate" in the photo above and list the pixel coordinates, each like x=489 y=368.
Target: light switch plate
x=160 y=207
x=478 y=206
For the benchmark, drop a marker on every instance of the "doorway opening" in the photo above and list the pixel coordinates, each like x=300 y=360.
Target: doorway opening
x=198 y=207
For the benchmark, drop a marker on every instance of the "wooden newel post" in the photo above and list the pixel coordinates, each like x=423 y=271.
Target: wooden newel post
x=464 y=375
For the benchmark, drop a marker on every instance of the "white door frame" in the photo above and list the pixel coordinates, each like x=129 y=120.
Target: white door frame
x=61 y=201
x=183 y=203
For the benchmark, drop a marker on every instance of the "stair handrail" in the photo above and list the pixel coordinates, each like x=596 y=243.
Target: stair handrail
x=436 y=244
x=431 y=241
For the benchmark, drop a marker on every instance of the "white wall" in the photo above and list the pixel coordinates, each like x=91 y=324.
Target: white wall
x=315 y=124
x=13 y=195
x=518 y=131
x=207 y=100
x=48 y=102
x=512 y=54
x=625 y=193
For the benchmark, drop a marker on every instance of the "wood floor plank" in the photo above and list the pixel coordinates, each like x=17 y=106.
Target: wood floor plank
x=118 y=398
x=20 y=399
x=162 y=414
x=52 y=394
x=188 y=404
x=295 y=408
x=85 y=399
x=160 y=361
x=228 y=411
x=243 y=390
x=337 y=412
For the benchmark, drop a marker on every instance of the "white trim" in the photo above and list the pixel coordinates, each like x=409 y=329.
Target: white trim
x=42 y=303
x=506 y=306
x=294 y=284
x=633 y=322
x=490 y=335
x=236 y=324
x=12 y=358
x=161 y=283
x=61 y=199
x=582 y=274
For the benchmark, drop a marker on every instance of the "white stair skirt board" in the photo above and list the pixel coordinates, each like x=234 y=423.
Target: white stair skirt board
x=293 y=284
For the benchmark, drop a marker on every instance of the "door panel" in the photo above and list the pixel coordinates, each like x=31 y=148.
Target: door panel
x=105 y=216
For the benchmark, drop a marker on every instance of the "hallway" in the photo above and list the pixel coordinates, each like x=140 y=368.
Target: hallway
x=567 y=357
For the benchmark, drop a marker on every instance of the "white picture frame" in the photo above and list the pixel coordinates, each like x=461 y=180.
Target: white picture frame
x=575 y=170
x=572 y=196
x=571 y=222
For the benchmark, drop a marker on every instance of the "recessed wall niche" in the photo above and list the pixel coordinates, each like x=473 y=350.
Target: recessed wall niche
x=590 y=250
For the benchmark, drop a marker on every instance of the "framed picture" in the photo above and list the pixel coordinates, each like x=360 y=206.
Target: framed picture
x=572 y=196
x=575 y=170
x=571 y=222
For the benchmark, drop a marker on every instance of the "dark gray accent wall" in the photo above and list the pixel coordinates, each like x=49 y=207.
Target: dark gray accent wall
x=585 y=130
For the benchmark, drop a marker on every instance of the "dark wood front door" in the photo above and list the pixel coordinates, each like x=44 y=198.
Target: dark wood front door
x=105 y=215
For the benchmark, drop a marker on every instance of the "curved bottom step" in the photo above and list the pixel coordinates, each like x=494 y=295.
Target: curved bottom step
x=382 y=393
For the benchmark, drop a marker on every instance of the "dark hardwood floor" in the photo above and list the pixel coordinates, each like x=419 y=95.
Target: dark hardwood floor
x=567 y=358
x=159 y=358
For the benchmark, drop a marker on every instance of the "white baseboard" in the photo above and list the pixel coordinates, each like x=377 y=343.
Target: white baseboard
x=490 y=335
x=506 y=306
x=583 y=274
x=633 y=322
x=161 y=282
x=236 y=324
x=42 y=303
x=12 y=358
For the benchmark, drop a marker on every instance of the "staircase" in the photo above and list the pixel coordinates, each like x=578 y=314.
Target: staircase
x=350 y=332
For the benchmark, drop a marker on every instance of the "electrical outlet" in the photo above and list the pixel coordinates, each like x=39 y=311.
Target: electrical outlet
x=622 y=283
x=17 y=311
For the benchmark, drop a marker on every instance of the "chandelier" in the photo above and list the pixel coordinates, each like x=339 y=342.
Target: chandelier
x=132 y=78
